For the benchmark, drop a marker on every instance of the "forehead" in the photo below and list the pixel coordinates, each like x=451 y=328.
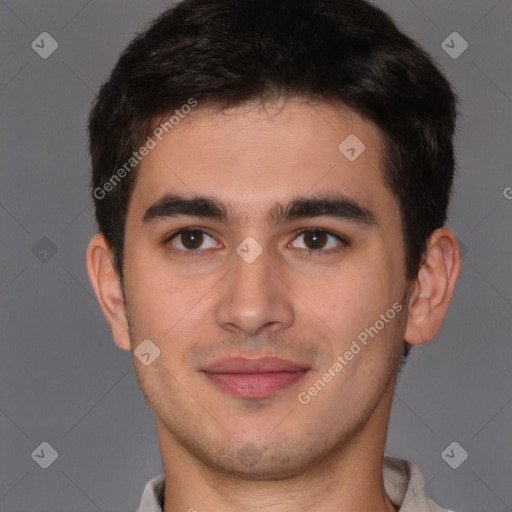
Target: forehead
x=251 y=156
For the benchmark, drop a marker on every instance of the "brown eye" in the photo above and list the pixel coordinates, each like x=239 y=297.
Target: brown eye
x=318 y=240
x=192 y=241
x=315 y=239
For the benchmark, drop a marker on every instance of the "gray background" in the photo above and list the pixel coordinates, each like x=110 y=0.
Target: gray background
x=62 y=379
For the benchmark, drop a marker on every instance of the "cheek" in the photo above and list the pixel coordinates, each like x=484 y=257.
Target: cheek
x=353 y=297
x=163 y=303
x=151 y=295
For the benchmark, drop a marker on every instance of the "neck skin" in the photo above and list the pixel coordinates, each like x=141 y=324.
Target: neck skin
x=348 y=479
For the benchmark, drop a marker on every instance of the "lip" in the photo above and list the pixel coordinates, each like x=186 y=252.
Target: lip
x=254 y=378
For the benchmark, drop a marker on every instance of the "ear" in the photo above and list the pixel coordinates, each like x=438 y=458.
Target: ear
x=433 y=288
x=107 y=286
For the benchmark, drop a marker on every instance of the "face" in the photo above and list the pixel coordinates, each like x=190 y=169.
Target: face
x=278 y=312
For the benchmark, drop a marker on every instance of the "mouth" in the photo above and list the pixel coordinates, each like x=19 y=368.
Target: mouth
x=254 y=378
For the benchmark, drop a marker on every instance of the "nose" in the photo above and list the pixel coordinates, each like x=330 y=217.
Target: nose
x=254 y=299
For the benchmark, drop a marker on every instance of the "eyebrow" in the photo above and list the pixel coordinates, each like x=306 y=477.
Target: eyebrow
x=336 y=205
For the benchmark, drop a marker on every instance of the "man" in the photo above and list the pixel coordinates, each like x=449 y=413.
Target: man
x=271 y=181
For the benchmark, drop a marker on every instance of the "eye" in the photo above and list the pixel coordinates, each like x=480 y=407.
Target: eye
x=318 y=240
x=191 y=240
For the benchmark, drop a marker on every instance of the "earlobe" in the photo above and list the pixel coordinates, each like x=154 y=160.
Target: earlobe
x=107 y=286
x=434 y=287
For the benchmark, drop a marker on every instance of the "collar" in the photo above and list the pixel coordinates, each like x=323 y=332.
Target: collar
x=402 y=481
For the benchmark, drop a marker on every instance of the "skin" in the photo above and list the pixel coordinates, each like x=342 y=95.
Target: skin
x=222 y=452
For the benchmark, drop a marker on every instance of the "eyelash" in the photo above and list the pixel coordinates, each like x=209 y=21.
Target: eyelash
x=321 y=252
x=309 y=252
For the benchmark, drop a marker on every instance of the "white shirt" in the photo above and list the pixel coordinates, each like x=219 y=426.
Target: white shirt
x=402 y=480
